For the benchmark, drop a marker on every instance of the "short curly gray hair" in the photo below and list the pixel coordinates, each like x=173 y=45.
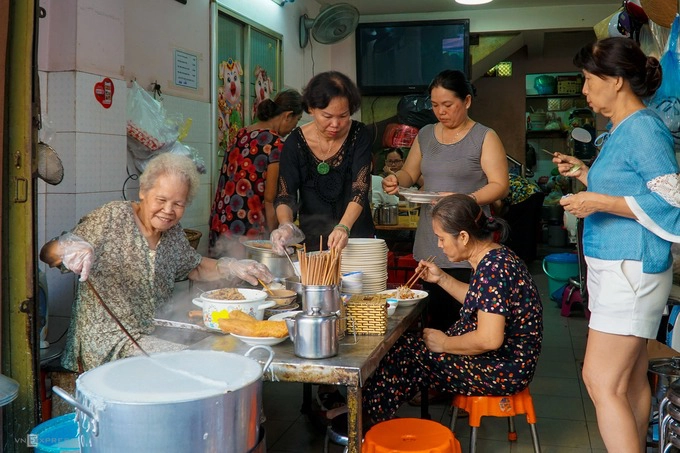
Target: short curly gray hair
x=171 y=164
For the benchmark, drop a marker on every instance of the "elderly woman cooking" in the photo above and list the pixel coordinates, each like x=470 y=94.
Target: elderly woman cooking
x=132 y=253
x=493 y=348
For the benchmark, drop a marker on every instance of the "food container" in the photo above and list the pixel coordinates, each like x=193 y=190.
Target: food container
x=386 y=214
x=662 y=373
x=186 y=401
x=215 y=309
x=261 y=251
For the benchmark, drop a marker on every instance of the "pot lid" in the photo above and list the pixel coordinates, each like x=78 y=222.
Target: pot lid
x=667 y=366
x=9 y=389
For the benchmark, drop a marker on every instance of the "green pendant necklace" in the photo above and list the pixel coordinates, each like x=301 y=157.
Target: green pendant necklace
x=323 y=168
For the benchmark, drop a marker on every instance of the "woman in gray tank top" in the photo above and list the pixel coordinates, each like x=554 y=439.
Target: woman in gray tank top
x=455 y=155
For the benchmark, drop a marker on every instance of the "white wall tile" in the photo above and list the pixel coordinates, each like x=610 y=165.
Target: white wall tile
x=198 y=212
x=42 y=78
x=65 y=146
x=91 y=116
x=61 y=101
x=87 y=202
x=60 y=292
x=60 y=214
x=199 y=112
x=113 y=162
x=40 y=220
x=100 y=162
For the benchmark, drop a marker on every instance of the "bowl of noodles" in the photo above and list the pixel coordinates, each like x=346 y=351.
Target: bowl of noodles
x=217 y=304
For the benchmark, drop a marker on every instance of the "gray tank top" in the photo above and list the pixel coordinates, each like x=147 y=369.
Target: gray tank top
x=447 y=168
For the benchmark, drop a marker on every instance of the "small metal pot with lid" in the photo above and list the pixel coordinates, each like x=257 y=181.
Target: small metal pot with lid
x=386 y=214
x=314 y=333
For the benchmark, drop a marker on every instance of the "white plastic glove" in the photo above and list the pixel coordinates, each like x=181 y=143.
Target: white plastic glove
x=286 y=234
x=77 y=255
x=248 y=270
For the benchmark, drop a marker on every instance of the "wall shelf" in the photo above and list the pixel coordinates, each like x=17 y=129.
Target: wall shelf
x=547 y=134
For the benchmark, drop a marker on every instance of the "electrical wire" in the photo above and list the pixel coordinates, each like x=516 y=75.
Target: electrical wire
x=131 y=176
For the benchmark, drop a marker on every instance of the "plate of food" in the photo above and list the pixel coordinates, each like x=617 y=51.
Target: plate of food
x=405 y=296
x=284 y=315
x=419 y=196
x=260 y=341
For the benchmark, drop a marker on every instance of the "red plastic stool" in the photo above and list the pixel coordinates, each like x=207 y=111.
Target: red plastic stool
x=496 y=406
x=412 y=435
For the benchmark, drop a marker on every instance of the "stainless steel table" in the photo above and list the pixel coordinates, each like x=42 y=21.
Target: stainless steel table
x=351 y=367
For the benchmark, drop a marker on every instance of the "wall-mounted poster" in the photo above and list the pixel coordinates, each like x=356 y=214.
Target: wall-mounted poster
x=229 y=105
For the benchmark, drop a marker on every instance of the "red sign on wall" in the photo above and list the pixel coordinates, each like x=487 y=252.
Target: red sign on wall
x=103 y=92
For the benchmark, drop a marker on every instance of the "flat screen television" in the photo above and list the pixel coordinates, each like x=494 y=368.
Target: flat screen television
x=404 y=57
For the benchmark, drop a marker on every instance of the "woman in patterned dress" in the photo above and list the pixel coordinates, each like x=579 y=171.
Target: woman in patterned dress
x=132 y=253
x=494 y=347
x=244 y=199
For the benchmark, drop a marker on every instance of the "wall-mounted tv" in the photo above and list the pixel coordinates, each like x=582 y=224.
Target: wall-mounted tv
x=404 y=57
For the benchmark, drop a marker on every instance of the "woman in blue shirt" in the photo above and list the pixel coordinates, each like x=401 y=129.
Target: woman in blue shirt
x=631 y=218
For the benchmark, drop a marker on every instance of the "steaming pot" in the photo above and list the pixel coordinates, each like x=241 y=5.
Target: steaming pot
x=185 y=401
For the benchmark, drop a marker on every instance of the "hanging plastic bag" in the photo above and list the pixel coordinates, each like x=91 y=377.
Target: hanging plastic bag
x=666 y=100
x=415 y=110
x=147 y=120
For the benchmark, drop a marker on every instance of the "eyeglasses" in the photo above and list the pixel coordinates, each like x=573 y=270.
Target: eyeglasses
x=394 y=161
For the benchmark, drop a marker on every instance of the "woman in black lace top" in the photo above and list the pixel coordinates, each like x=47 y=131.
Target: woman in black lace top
x=325 y=170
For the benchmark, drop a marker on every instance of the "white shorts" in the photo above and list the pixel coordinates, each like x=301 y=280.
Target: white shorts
x=623 y=300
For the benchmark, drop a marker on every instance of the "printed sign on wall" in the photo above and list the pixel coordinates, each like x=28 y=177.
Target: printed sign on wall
x=103 y=92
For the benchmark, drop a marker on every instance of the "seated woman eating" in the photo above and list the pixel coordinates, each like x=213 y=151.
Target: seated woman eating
x=493 y=348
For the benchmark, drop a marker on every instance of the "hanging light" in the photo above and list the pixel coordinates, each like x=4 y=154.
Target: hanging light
x=473 y=2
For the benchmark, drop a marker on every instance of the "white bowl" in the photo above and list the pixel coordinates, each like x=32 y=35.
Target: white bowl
x=392 y=305
x=215 y=309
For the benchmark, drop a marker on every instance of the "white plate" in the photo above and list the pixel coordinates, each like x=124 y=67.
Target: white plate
x=264 y=341
x=407 y=302
x=420 y=197
x=284 y=315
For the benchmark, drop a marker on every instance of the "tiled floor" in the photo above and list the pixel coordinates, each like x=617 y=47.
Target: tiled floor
x=566 y=417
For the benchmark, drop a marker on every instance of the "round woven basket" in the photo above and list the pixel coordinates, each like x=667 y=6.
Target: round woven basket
x=193 y=236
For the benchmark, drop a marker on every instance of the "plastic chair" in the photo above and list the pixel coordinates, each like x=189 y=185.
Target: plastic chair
x=496 y=406
x=412 y=435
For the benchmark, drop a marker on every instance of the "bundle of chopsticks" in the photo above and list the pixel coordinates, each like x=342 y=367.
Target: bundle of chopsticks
x=319 y=268
x=419 y=271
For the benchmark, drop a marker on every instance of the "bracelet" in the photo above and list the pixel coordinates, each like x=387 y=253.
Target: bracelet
x=344 y=227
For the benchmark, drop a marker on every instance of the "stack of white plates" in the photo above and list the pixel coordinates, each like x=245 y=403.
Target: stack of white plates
x=370 y=257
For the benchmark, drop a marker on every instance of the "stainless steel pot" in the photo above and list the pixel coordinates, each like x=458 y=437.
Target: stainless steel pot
x=662 y=373
x=314 y=333
x=193 y=401
x=386 y=214
x=260 y=251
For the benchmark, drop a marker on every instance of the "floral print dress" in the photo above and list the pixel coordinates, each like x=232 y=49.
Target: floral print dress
x=502 y=285
x=238 y=207
x=132 y=280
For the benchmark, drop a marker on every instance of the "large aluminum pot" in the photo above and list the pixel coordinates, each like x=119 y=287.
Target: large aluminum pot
x=186 y=401
x=261 y=251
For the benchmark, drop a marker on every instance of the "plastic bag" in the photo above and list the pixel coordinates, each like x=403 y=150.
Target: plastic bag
x=416 y=110
x=666 y=100
x=147 y=120
x=399 y=135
